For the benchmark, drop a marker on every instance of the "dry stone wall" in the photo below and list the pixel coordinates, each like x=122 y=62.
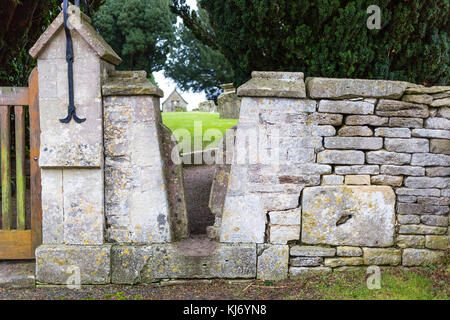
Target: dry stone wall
x=362 y=176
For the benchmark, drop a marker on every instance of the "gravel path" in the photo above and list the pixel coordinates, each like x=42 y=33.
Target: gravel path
x=197 y=182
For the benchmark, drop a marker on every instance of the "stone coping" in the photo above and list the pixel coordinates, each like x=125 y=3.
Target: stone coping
x=129 y=83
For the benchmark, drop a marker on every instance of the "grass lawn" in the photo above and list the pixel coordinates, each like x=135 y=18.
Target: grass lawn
x=429 y=283
x=177 y=121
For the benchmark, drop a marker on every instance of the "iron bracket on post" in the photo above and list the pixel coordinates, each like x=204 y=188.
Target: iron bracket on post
x=71 y=110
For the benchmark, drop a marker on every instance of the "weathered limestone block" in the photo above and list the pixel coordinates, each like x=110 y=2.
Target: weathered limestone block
x=170 y=261
x=420 y=257
x=357 y=180
x=306 y=261
x=437 y=123
x=373 y=169
x=395 y=108
x=441 y=102
x=58 y=264
x=366 y=120
x=273 y=261
x=408 y=219
x=354 y=216
x=444 y=112
x=286 y=217
x=418 y=98
x=362 y=143
x=243 y=219
x=175 y=185
x=403 y=170
x=279 y=201
x=274 y=84
x=127 y=263
x=312 y=251
x=407 y=199
x=332 y=180
x=406 y=122
x=436 y=242
x=322 y=88
x=378 y=256
x=438 y=171
x=52 y=207
x=137 y=191
x=83 y=206
x=430 y=159
x=393 y=181
x=345 y=251
x=327 y=118
x=426 y=182
x=385 y=157
x=355 y=131
x=299 y=272
x=281 y=234
x=443 y=201
x=418 y=192
x=420 y=208
x=440 y=146
x=341 y=157
x=421 y=229
x=441 y=95
x=427 y=90
x=432 y=220
x=346 y=107
x=221 y=174
x=406 y=145
x=393 y=132
x=347 y=261
x=431 y=133
x=410 y=241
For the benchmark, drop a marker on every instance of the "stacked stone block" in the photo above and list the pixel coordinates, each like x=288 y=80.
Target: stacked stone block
x=362 y=177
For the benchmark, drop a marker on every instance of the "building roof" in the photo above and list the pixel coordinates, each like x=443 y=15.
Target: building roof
x=81 y=23
x=173 y=92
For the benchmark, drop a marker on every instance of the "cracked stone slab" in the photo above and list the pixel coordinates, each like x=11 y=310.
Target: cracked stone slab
x=146 y=264
x=348 y=215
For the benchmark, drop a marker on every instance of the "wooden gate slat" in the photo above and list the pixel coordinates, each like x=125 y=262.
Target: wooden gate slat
x=19 y=116
x=15 y=244
x=35 y=171
x=5 y=137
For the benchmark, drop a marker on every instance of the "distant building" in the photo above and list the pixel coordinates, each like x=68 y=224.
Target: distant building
x=175 y=102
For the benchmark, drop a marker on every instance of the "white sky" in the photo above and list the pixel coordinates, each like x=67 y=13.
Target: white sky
x=167 y=85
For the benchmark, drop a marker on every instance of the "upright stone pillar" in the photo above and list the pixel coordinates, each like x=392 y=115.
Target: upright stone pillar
x=71 y=154
x=144 y=190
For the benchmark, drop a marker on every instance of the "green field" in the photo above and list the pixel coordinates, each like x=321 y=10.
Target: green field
x=182 y=123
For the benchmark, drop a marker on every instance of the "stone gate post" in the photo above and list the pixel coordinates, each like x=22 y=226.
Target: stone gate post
x=71 y=155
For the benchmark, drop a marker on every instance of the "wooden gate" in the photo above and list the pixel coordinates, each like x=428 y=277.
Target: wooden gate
x=21 y=229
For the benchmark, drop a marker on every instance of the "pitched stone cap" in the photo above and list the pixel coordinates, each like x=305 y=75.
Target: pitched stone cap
x=81 y=23
x=332 y=88
x=129 y=83
x=274 y=84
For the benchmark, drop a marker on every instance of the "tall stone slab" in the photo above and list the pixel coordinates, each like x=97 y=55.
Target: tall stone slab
x=71 y=154
x=260 y=171
x=138 y=206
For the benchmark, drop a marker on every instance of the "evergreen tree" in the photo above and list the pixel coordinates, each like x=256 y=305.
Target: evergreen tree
x=140 y=31
x=329 y=38
x=195 y=66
